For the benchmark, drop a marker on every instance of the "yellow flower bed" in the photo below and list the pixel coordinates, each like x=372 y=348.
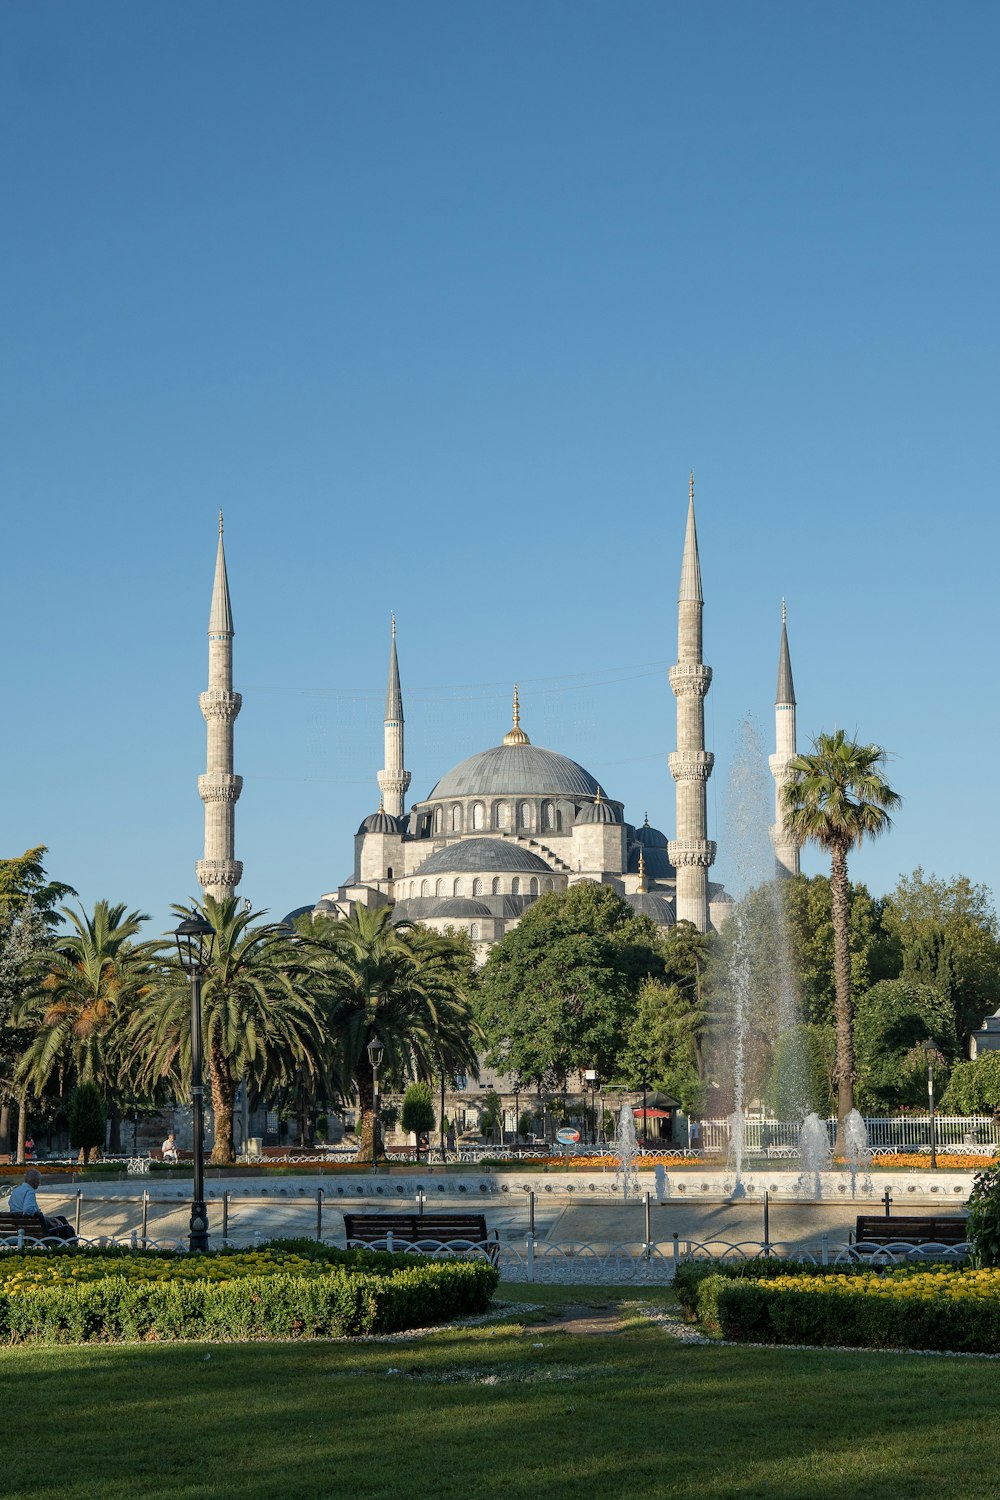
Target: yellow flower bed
x=903 y=1282
x=19 y=1273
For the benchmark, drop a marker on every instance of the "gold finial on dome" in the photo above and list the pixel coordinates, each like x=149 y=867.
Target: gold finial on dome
x=645 y=820
x=642 y=873
x=597 y=799
x=381 y=803
x=516 y=735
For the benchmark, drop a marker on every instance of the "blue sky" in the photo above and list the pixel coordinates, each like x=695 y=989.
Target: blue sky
x=440 y=303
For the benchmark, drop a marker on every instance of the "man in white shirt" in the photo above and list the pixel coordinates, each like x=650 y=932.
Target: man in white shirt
x=169 y=1148
x=23 y=1201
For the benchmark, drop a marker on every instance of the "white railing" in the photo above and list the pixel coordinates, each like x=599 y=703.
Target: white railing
x=898 y=1132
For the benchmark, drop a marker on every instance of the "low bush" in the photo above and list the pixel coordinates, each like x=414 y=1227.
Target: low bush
x=691 y=1274
x=79 y=1296
x=905 y=1307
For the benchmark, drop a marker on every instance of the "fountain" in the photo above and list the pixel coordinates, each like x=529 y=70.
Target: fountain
x=815 y=1153
x=627 y=1151
x=859 y=1156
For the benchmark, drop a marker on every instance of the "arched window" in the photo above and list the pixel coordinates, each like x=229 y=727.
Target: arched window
x=423 y=888
x=524 y=814
x=548 y=816
x=496 y=885
x=550 y=884
x=500 y=815
x=456 y=887
x=477 y=887
x=478 y=815
x=412 y=888
x=456 y=819
x=438 y=887
x=388 y=873
x=533 y=886
x=474 y=932
x=515 y=886
x=559 y=820
x=439 y=820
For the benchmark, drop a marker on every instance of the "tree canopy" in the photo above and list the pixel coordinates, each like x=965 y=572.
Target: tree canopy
x=555 y=994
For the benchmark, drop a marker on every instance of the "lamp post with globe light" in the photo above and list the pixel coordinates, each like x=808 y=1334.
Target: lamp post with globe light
x=194 y=938
x=930 y=1051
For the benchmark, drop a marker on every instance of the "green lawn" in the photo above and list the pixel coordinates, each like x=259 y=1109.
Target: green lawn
x=516 y=1411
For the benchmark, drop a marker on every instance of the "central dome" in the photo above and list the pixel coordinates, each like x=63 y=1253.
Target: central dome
x=516 y=770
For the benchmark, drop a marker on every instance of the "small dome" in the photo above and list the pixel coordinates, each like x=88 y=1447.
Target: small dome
x=597 y=811
x=656 y=861
x=380 y=822
x=657 y=908
x=473 y=856
x=459 y=906
x=652 y=838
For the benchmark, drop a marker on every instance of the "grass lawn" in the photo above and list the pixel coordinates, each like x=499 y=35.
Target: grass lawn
x=522 y=1411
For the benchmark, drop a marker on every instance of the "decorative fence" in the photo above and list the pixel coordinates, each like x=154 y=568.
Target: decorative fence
x=897 y=1132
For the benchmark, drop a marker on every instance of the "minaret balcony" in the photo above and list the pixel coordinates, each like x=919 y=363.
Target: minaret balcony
x=699 y=852
x=691 y=765
x=690 y=678
x=217 y=703
x=219 y=786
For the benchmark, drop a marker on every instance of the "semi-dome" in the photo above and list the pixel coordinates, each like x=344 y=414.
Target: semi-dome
x=381 y=822
x=473 y=856
x=459 y=906
x=516 y=770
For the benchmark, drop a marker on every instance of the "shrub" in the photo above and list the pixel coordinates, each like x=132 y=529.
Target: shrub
x=984 y=1217
x=87 y=1116
x=80 y=1296
x=907 y=1307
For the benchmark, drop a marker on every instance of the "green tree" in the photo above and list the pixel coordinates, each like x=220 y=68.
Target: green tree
x=807 y=908
x=892 y=1021
x=87 y=1119
x=662 y=1045
x=23 y=881
x=974 y=1087
x=554 y=994
x=261 y=1021
x=406 y=986
x=836 y=797
x=803 y=1069
x=418 y=1111
x=946 y=932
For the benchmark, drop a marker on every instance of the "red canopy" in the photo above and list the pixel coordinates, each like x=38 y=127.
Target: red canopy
x=653 y=1114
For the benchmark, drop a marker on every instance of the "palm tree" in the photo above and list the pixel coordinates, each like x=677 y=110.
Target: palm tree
x=262 y=1019
x=89 y=983
x=404 y=985
x=837 y=797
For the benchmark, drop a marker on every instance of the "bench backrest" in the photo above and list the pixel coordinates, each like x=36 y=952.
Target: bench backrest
x=444 y=1227
x=912 y=1229
x=32 y=1222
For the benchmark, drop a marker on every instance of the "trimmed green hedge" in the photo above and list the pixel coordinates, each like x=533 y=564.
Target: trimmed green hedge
x=691 y=1274
x=347 y=1302
x=752 y=1311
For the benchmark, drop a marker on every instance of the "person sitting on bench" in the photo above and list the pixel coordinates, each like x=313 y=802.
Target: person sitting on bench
x=23 y=1201
x=169 y=1148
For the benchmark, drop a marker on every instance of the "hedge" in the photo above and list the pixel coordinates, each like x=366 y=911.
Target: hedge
x=690 y=1275
x=830 y=1313
x=344 y=1302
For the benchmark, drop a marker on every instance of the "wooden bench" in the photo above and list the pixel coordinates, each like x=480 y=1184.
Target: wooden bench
x=911 y=1229
x=32 y=1224
x=457 y=1231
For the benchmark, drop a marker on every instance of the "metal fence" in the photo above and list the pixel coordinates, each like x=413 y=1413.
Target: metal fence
x=902 y=1132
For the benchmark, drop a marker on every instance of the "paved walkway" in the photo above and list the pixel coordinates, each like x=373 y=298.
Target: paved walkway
x=262 y=1208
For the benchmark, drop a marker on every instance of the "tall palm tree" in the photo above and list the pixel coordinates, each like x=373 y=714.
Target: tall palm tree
x=88 y=985
x=407 y=987
x=262 y=1019
x=836 y=798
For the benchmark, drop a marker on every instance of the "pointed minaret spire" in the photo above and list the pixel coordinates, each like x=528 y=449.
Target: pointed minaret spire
x=393 y=780
x=690 y=591
x=642 y=873
x=516 y=735
x=692 y=852
x=220 y=871
x=786 y=850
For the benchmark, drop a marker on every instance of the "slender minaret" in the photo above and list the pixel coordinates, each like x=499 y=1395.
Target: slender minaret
x=692 y=852
x=786 y=850
x=220 y=872
x=393 y=780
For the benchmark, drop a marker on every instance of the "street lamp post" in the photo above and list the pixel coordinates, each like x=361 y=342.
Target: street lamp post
x=930 y=1048
x=194 y=944
x=376 y=1051
x=645 y=1089
x=590 y=1077
x=517 y=1114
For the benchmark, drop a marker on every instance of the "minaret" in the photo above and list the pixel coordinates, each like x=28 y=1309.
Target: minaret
x=393 y=780
x=220 y=872
x=692 y=852
x=786 y=850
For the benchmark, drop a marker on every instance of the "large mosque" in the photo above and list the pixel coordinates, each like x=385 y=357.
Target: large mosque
x=512 y=822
